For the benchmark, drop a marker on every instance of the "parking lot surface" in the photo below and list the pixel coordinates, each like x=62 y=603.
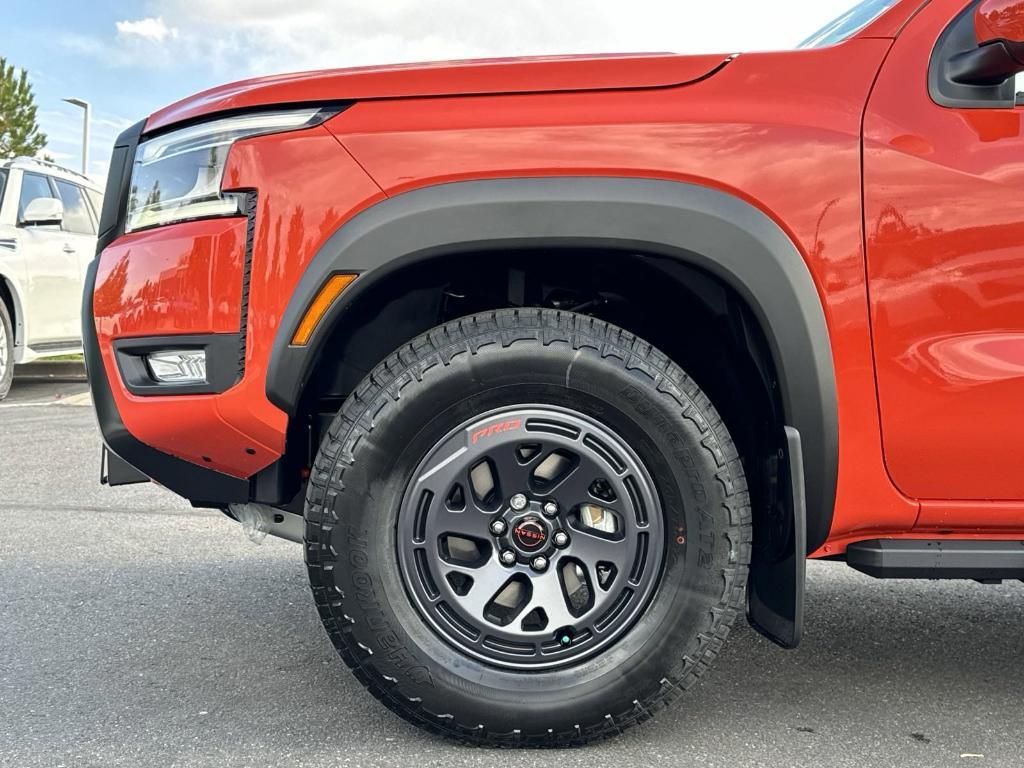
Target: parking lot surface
x=137 y=631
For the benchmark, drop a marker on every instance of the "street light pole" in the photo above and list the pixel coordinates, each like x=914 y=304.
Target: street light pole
x=85 y=131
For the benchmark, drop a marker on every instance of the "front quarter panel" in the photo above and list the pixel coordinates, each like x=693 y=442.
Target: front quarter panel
x=778 y=130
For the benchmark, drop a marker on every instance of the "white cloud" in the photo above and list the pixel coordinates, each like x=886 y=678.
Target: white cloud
x=271 y=36
x=227 y=41
x=153 y=29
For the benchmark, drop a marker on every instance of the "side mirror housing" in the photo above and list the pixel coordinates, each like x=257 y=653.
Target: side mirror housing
x=43 y=210
x=999 y=20
x=999 y=32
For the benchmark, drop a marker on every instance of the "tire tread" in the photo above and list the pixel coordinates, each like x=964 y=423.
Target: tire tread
x=382 y=390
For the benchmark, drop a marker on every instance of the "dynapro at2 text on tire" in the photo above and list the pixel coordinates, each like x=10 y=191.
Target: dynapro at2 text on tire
x=527 y=527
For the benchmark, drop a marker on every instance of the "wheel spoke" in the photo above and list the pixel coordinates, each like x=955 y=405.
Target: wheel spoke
x=471 y=522
x=513 y=476
x=549 y=595
x=487 y=580
x=592 y=549
x=574 y=488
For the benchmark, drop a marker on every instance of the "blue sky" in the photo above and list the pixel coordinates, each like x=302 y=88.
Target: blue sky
x=132 y=57
x=44 y=45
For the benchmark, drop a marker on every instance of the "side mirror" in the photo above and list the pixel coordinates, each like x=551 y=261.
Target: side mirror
x=999 y=21
x=43 y=210
x=999 y=31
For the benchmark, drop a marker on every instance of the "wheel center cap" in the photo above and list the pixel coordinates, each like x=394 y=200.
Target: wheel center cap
x=530 y=534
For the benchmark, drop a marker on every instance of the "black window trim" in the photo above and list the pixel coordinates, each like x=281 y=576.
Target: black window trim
x=92 y=207
x=85 y=200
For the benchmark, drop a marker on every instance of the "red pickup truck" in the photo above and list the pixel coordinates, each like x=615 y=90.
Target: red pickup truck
x=557 y=366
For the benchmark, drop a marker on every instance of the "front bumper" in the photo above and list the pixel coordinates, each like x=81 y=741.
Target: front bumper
x=222 y=284
x=201 y=485
x=204 y=487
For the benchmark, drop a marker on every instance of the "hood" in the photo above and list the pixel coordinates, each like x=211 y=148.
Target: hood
x=451 y=78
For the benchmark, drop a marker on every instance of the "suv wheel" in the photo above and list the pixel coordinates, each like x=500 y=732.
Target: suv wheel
x=527 y=527
x=6 y=351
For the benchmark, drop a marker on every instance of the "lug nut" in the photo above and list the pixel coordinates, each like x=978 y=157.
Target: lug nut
x=561 y=538
x=539 y=563
x=518 y=502
x=508 y=557
x=498 y=527
x=550 y=508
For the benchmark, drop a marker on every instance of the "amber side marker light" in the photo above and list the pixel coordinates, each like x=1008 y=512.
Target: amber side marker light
x=318 y=308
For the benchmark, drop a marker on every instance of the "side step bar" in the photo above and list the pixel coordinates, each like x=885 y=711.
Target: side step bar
x=938 y=559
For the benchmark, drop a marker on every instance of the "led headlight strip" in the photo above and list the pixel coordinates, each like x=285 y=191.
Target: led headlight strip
x=177 y=175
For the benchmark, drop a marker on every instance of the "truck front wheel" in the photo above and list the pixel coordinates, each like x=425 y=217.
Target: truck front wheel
x=527 y=527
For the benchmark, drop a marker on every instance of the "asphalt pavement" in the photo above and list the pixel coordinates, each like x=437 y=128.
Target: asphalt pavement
x=137 y=631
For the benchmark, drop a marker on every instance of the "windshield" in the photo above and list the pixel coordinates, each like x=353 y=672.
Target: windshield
x=849 y=24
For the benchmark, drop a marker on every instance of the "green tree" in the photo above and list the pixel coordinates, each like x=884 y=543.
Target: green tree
x=19 y=131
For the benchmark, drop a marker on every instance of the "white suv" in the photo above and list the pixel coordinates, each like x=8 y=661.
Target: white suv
x=48 y=218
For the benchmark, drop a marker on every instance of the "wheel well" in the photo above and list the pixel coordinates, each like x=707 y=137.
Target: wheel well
x=701 y=323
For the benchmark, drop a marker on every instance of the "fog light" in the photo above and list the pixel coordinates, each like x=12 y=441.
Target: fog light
x=178 y=366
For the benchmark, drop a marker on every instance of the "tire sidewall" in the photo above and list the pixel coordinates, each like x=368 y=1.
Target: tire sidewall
x=378 y=614
x=7 y=374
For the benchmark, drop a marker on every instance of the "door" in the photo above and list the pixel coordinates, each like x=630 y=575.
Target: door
x=944 y=231
x=54 y=279
x=79 y=228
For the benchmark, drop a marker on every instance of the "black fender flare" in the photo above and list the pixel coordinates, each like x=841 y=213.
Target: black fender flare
x=704 y=227
x=17 y=313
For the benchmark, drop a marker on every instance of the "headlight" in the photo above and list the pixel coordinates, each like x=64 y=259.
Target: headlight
x=177 y=175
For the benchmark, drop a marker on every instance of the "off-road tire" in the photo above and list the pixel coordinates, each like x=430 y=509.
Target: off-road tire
x=467 y=367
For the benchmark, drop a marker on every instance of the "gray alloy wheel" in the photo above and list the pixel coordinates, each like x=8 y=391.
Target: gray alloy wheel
x=531 y=537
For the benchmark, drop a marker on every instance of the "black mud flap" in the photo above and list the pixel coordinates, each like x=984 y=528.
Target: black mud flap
x=116 y=471
x=775 y=594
